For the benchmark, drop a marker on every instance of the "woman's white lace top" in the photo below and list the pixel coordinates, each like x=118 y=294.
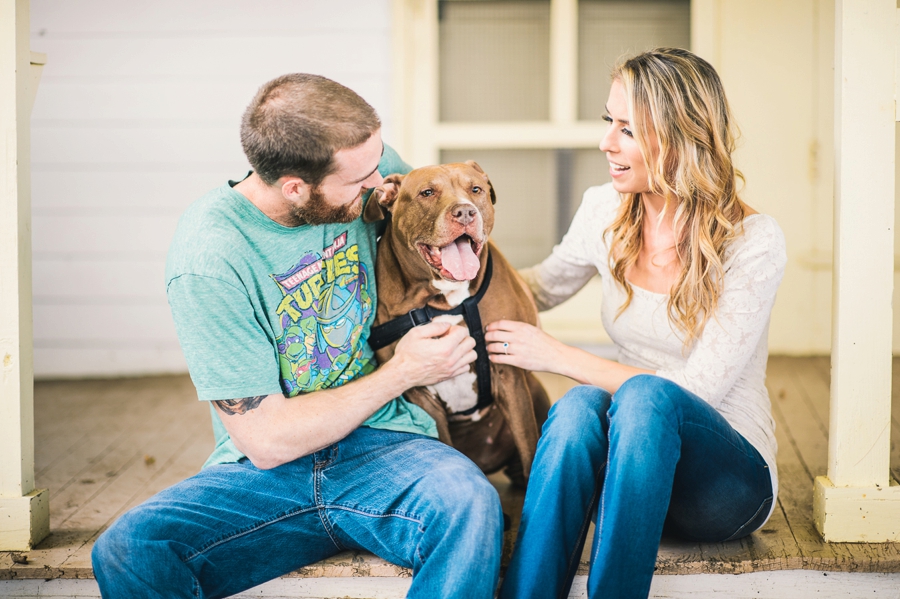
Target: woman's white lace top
x=726 y=366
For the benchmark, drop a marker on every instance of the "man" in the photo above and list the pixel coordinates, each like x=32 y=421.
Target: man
x=271 y=289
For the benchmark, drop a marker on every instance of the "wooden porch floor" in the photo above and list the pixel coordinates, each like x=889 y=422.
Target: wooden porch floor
x=103 y=446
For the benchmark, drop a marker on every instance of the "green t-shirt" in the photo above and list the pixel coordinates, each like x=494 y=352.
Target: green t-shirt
x=261 y=308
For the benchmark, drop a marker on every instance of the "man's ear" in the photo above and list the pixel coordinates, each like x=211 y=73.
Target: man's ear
x=478 y=168
x=294 y=188
x=383 y=198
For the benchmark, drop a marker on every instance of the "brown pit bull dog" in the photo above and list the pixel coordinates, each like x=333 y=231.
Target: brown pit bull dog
x=434 y=255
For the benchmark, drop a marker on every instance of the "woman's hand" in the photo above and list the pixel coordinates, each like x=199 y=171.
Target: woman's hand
x=523 y=345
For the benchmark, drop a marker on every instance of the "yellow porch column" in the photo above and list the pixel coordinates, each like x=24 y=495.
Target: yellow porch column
x=857 y=501
x=24 y=510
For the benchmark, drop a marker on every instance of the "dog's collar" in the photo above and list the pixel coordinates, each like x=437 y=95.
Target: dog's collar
x=391 y=331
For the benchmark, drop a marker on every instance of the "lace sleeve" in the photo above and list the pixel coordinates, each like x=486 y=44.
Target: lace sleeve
x=731 y=337
x=554 y=280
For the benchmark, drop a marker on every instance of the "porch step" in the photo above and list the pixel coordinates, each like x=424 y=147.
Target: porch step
x=792 y=584
x=103 y=446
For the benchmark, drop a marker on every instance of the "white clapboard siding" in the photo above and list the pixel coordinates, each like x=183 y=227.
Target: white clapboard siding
x=92 y=143
x=106 y=235
x=206 y=98
x=121 y=189
x=75 y=281
x=178 y=16
x=120 y=56
x=137 y=115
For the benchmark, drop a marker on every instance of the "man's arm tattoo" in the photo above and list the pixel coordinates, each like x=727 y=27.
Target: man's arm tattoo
x=239 y=406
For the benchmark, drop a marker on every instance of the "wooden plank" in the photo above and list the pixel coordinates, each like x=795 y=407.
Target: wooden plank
x=67 y=470
x=795 y=478
x=107 y=406
x=183 y=466
x=804 y=386
x=117 y=476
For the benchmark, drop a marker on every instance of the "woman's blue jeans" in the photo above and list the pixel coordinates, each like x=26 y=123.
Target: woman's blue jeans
x=407 y=498
x=650 y=456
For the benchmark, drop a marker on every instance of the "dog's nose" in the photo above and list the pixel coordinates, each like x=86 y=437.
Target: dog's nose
x=463 y=213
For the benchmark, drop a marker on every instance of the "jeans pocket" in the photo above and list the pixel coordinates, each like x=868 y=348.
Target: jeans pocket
x=753 y=523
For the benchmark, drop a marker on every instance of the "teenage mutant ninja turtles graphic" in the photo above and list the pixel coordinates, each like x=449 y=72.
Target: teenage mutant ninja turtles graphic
x=326 y=303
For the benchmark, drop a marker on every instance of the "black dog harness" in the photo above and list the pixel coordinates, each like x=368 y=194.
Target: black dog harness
x=385 y=334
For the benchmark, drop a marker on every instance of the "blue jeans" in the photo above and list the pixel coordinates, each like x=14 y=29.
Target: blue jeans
x=407 y=498
x=653 y=454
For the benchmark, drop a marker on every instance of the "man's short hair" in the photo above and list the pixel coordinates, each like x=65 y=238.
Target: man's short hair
x=297 y=122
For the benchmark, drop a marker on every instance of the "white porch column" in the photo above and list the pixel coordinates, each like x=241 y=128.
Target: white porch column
x=24 y=510
x=857 y=500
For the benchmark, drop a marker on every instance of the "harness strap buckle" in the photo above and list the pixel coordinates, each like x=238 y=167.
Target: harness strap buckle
x=419 y=316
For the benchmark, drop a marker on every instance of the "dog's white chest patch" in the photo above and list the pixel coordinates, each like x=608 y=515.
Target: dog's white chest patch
x=459 y=392
x=454 y=291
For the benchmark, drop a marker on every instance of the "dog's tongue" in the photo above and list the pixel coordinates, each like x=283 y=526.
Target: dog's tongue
x=459 y=260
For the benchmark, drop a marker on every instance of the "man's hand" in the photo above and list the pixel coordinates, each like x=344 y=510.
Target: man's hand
x=432 y=353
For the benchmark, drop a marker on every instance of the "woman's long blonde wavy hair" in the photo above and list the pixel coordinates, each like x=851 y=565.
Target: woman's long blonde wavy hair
x=678 y=97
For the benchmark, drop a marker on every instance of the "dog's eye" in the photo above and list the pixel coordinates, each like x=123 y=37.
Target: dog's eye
x=476 y=189
x=426 y=193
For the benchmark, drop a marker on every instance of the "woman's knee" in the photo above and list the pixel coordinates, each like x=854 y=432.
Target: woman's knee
x=577 y=423
x=580 y=405
x=644 y=399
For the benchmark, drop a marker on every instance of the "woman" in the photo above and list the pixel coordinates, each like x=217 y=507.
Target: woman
x=678 y=433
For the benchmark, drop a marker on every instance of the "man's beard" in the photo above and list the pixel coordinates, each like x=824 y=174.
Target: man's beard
x=317 y=212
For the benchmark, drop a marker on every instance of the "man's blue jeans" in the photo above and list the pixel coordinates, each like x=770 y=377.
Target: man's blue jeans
x=653 y=454
x=407 y=498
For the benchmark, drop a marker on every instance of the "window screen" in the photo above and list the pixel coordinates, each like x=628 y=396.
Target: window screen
x=609 y=31
x=494 y=60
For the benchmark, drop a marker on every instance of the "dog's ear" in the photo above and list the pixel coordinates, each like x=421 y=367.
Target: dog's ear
x=478 y=168
x=382 y=198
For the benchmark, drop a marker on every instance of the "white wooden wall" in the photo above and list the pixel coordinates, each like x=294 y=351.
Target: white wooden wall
x=137 y=116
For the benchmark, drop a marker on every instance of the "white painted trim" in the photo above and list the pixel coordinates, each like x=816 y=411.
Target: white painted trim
x=822 y=260
x=24 y=515
x=534 y=134
x=401 y=64
x=421 y=59
x=563 y=61
x=706 y=30
x=860 y=425
x=856 y=514
x=24 y=521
